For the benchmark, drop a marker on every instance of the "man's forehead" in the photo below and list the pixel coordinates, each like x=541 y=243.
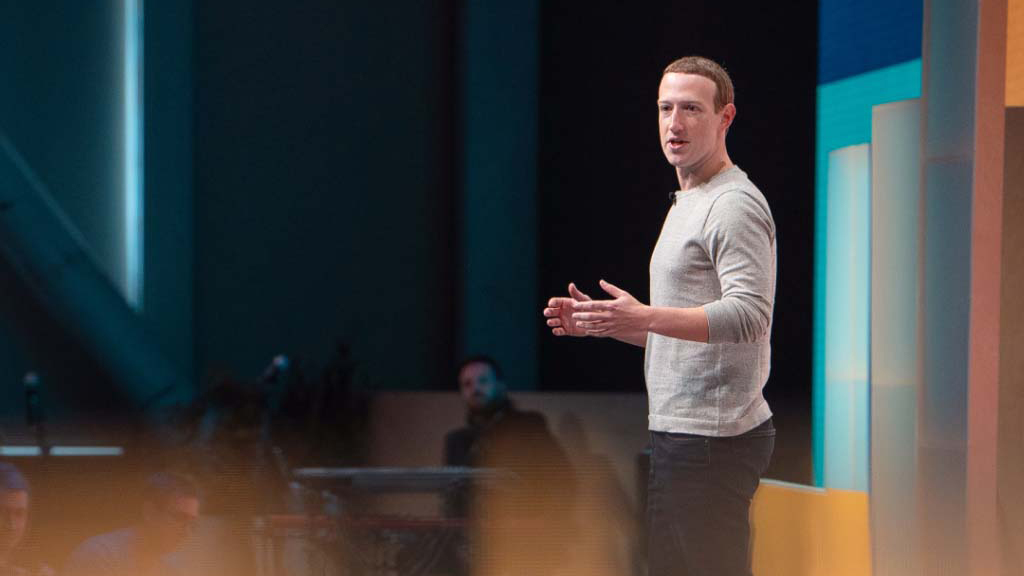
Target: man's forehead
x=678 y=85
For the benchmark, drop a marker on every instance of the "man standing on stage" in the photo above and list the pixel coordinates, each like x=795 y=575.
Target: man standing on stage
x=705 y=334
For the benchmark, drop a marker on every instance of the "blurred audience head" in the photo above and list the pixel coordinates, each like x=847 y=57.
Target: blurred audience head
x=13 y=507
x=170 y=510
x=481 y=383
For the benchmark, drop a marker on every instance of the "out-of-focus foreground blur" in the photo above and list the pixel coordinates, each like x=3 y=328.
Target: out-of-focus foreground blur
x=244 y=247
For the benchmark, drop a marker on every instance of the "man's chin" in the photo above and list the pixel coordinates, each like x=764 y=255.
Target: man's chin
x=676 y=159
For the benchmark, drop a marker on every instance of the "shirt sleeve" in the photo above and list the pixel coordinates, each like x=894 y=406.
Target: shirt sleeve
x=740 y=237
x=89 y=559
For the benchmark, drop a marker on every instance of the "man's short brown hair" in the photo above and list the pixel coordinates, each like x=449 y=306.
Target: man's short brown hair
x=709 y=69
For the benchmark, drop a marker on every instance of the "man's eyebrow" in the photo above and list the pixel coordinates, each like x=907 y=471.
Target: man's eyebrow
x=697 y=102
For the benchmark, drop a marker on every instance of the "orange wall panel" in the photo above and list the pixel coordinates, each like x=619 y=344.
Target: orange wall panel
x=804 y=531
x=1015 y=53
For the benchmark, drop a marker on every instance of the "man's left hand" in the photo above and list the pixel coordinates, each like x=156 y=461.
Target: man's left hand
x=611 y=318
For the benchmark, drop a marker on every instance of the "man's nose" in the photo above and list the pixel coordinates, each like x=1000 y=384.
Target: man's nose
x=676 y=120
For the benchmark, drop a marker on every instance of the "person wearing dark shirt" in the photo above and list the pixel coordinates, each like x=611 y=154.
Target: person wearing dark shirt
x=497 y=434
x=489 y=413
x=525 y=516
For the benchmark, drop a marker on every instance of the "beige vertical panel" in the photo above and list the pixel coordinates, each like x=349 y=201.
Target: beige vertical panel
x=895 y=253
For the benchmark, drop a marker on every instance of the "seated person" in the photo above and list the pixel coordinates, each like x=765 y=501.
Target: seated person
x=526 y=518
x=14 y=508
x=497 y=434
x=170 y=512
x=483 y=390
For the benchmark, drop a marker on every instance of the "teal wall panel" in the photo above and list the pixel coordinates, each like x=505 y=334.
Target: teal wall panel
x=844 y=119
x=498 y=204
x=847 y=309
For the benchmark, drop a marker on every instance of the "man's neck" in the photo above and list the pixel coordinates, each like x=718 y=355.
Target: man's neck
x=705 y=172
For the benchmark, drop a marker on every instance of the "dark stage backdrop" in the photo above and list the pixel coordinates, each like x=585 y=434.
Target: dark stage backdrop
x=319 y=191
x=324 y=187
x=604 y=185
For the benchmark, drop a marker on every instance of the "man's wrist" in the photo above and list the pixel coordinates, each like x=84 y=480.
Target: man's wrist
x=683 y=323
x=650 y=323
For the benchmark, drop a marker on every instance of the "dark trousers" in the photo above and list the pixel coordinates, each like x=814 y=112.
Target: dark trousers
x=698 y=501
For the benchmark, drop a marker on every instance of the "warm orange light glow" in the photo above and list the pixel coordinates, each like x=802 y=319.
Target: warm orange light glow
x=1015 y=53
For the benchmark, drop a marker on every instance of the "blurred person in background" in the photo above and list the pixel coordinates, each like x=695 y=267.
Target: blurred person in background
x=496 y=430
x=523 y=522
x=170 y=512
x=14 y=511
x=483 y=390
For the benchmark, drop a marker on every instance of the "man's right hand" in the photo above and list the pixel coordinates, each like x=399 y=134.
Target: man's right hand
x=559 y=313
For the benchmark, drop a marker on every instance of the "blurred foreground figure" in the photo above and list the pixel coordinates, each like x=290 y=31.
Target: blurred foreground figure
x=705 y=333
x=523 y=523
x=169 y=515
x=14 y=505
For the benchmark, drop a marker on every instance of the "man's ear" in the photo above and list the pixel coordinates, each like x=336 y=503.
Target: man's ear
x=728 y=115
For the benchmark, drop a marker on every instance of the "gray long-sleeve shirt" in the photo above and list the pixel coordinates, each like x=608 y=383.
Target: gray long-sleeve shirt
x=716 y=250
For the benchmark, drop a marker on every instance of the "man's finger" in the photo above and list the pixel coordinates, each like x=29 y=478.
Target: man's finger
x=592 y=306
x=558 y=331
x=557 y=301
x=554 y=322
x=576 y=294
x=612 y=289
x=590 y=316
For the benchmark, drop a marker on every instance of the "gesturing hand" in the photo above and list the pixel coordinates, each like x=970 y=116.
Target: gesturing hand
x=619 y=318
x=559 y=313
